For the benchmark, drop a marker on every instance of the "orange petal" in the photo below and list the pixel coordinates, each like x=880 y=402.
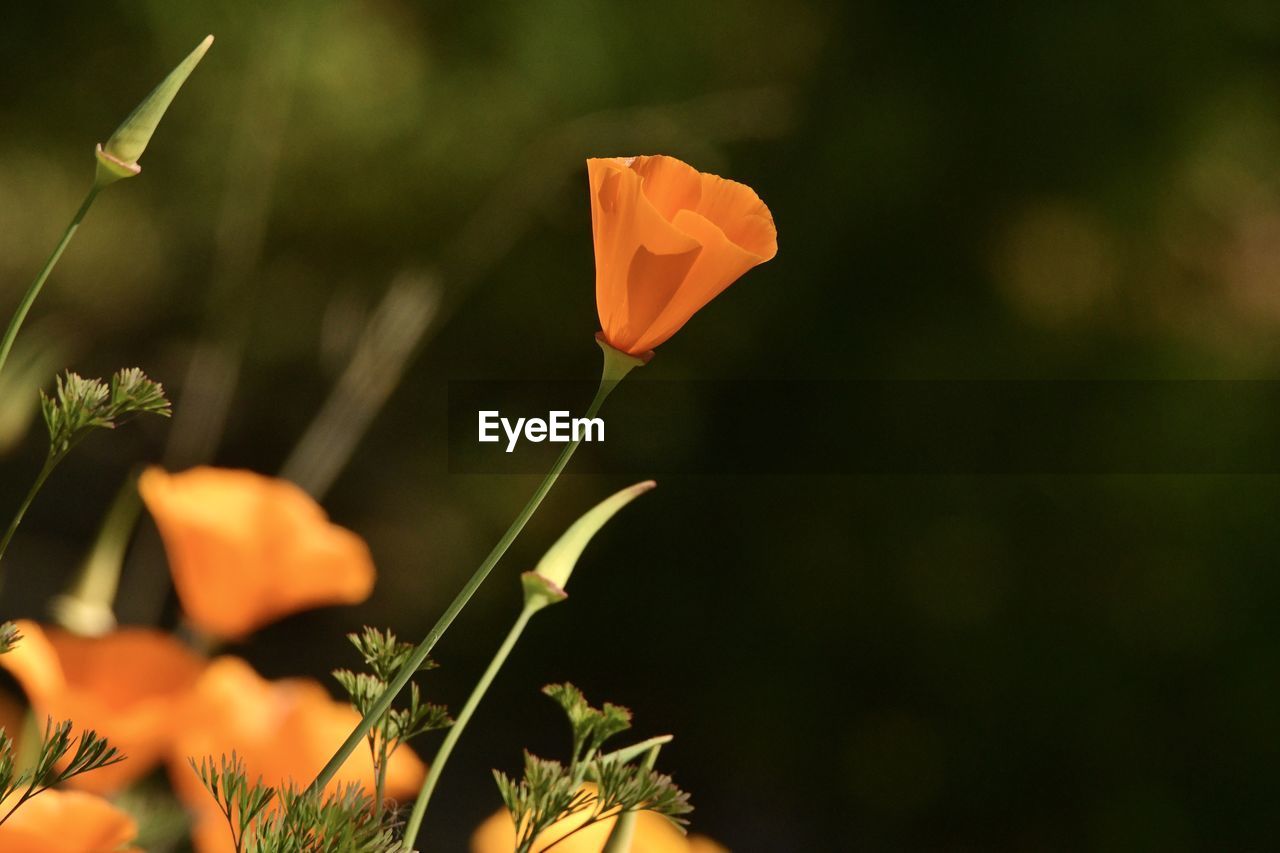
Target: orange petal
x=668 y=240
x=740 y=214
x=246 y=550
x=130 y=686
x=67 y=822
x=284 y=731
x=626 y=226
x=34 y=662
x=654 y=834
x=670 y=185
x=719 y=265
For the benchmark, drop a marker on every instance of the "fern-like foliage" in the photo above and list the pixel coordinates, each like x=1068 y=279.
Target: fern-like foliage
x=83 y=754
x=385 y=656
x=9 y=637
x=263 y=819
x=343 y=822
x=240 y=801
x=78 y=405
x=549 y=791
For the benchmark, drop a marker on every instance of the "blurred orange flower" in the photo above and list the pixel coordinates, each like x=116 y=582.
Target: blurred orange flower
x=668 y=239
x=654 y=834
x=246 y=550
x=67 y=822
x=283 y=730
x=130 y=686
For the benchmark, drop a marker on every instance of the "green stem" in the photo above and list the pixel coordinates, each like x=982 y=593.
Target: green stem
x=380 y=785
x=50 y=462
x=15 y=323
x=88 y=606
x=455 y=731
x=616 y=366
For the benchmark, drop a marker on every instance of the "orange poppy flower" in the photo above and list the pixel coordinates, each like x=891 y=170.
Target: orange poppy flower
x=283 y=731
x=668 y=239
x=129 y=686
x=67 y=822
x=654 y=834
x=245 y=549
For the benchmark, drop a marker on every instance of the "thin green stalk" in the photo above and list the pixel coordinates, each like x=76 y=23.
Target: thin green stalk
x=455 y=731
x=424 y=648
x=88 y=606
x=616 y=366
x=15 y=322
x=50 y=462
x=380 y=785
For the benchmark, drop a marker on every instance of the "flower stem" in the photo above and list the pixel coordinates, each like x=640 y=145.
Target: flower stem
x=455 y=731
x=19 y=315
x=88 y=606
x=50 y=462
x=616 y=366
x=380 y=785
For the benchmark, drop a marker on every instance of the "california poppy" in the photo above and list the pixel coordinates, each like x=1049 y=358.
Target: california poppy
x=130 y=686
x=67 y=822
x=668 y=239
x=284 y=731
x=654 y=834
x=245 y=549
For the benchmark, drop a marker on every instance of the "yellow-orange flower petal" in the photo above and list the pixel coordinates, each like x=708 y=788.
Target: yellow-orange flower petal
x=283 y=730
x=245 y=549
x=130 y=686
x=654 y=834
x=668 y=239
x=67 y=822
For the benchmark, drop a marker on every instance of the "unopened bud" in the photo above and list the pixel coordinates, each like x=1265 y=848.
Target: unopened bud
x=545 y=584
x=118 y=156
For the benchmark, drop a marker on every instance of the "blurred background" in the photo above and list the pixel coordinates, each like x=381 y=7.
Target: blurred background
x=355 y=202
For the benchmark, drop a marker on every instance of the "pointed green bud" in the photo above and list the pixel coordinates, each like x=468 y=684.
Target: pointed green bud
x=545 y=584
x=627 y=754
x=118 y=157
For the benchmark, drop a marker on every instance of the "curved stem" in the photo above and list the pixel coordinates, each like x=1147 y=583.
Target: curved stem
x=455 y=731
x=616 y=366
x=50 y=462
x=380 y=783
x=20 y=314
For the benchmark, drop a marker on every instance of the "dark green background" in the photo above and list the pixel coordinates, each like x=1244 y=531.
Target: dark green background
x=978 y=190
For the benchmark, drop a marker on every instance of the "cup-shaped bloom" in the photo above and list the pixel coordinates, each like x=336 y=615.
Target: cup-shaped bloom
x=668 y=239
x=245 y=549
x=67 y=822
x=654 y=834
x=284 y=731
x=130 y=686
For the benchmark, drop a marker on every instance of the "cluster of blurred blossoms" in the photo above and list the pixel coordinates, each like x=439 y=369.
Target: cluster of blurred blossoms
x=245 y=550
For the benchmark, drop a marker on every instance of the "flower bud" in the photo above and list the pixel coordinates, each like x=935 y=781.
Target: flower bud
x=545 y=584
x=118 y=157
